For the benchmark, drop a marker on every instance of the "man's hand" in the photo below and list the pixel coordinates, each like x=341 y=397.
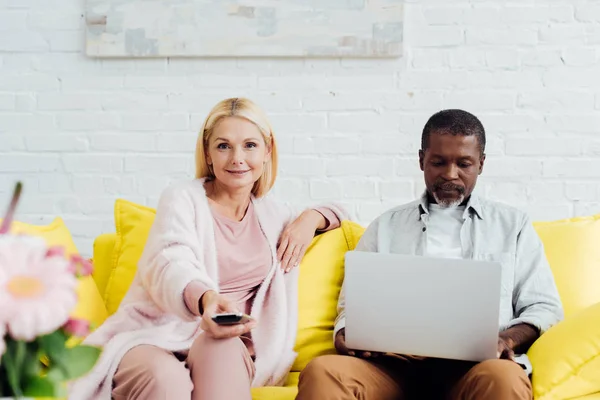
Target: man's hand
x=505 y=349
x=519 y=338
x=340 y=346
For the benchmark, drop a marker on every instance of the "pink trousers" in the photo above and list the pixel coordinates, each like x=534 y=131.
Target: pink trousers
x=214 y=369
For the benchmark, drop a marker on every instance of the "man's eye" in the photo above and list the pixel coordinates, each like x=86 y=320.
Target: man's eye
x=464 y=165
x=437 y=163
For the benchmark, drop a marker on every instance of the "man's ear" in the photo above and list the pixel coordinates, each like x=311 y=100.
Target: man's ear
x=422 y=159
x=481 y=162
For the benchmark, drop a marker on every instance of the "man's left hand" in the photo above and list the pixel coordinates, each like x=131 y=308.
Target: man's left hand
x=505 y=350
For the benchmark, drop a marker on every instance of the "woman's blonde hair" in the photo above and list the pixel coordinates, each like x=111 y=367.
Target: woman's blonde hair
x=242 y=108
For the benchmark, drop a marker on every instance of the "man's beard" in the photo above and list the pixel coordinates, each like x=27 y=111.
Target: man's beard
x=448 y=202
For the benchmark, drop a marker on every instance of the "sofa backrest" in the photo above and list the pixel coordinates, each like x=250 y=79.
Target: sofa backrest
x=321 y=275
x=572 y=247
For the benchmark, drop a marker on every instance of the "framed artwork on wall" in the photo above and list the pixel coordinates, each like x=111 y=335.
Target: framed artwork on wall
x=244 y=28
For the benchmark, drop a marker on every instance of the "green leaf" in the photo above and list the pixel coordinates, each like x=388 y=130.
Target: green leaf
x=56 y=374
x=32 y=365
x=53 y=344
x=39 y=387
x=77 y=361
x=13 y=363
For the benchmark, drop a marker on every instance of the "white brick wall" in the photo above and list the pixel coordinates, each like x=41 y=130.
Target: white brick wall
x=82 y=132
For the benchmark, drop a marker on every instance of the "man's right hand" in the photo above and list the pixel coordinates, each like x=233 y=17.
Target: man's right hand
x=214 y=303
x=340 y=346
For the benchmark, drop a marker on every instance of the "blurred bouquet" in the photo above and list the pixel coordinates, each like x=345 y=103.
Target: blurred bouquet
x=37 y=295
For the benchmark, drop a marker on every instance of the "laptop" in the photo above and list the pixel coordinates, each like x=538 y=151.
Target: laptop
x=422 y=306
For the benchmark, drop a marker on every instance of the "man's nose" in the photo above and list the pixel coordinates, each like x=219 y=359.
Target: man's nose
x=451 y=172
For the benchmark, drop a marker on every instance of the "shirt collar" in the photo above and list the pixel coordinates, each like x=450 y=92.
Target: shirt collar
x=474 y=205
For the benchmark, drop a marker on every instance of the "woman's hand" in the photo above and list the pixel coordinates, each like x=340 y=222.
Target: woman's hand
x=214 y=303
x=296 y=238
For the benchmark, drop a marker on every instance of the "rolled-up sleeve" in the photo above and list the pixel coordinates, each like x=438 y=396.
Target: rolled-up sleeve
x=331 y=219
x=535 y=297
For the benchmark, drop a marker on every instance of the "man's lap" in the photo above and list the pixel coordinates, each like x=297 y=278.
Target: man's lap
x=422 y=377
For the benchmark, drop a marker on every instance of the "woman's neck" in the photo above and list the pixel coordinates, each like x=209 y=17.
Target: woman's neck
x=232 y=203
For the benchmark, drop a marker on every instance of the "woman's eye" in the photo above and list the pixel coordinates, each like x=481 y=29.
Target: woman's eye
x=222 y=146
x=251 y=145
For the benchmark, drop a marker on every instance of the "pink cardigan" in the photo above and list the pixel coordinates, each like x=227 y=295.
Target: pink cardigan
x=181 y=249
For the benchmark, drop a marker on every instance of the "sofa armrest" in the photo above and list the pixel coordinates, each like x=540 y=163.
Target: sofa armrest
x=103 y=259
x=566 y=359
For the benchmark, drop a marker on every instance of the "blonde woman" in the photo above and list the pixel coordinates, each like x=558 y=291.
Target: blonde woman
x=218 y=245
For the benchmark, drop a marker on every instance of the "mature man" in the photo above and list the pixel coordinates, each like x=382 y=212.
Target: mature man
x=453 y=222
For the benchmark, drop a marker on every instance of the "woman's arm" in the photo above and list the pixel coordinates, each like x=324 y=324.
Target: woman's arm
x=302 y=227
x=173 y=256
x=328 y=221
x=193 y=294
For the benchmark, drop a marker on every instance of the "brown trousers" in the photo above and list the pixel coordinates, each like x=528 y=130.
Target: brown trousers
x=335 y=377
x=213 y=369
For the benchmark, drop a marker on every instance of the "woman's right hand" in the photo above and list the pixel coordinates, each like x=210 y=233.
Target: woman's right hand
x=214 y=303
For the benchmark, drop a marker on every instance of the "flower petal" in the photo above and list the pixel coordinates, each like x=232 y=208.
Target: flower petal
x=31 y=313
x=77 y=327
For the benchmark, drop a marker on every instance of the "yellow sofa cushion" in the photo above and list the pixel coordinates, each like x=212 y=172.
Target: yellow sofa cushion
x=566 y=359
x=89 y=306
x=571 y=247
x=104 y=246
x=133 y=222
x=287 y=392
x=573 y=250
x=321 y=276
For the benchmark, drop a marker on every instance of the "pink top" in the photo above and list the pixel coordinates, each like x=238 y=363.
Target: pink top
x=244 y=260
x=243 y=256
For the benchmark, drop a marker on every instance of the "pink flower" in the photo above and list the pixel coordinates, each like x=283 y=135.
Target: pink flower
x=55 y=251
x=77 y=327
x=80 y=266
x=37 y=291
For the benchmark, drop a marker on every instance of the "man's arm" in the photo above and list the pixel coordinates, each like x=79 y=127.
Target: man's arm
x=536 y=300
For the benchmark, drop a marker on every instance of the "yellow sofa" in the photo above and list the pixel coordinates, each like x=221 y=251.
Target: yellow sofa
x=566 y=359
